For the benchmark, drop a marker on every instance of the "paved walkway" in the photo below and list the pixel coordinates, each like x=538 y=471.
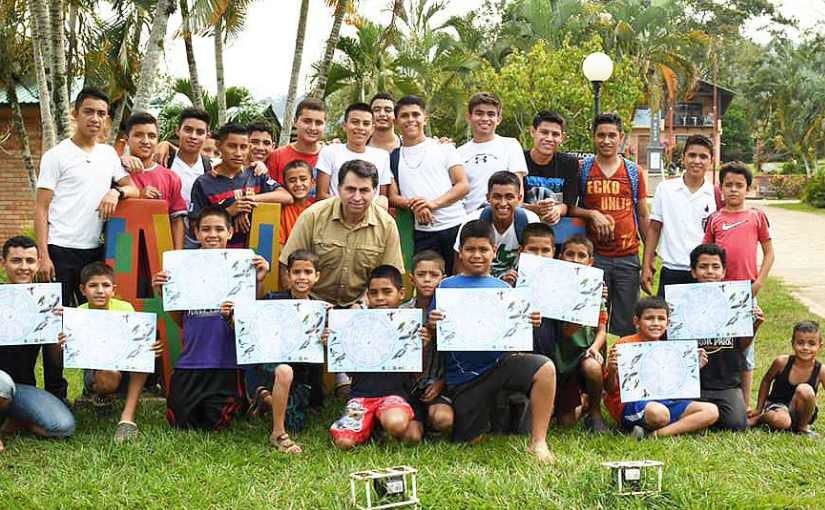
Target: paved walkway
x=799 y=243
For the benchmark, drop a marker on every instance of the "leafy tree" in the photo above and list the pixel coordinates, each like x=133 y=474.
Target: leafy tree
x=737 y=133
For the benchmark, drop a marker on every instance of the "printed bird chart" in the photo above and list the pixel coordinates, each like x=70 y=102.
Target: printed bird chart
x=484 y=320
x=107 y=340
x=658 y=370
x=374 y=341
x=203 y=279
x=280 y=331
x=27 y=313
x=710 y=310
x=562 y=290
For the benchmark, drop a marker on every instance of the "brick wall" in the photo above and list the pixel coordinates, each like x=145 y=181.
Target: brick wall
x=16 y=197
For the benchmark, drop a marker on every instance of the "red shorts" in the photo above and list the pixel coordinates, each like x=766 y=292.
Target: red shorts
x=359 y=417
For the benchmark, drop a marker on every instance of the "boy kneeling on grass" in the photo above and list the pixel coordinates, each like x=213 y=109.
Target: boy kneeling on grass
x=787 y=395
x=577 y=351
x=97 y=284
x=379 y=395
x=206 y=388
x=657 y=418
x=474 y=378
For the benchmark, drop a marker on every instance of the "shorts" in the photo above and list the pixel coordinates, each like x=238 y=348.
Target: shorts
x=89 y=380
x=732 y=413
x=204 y=399
x=473 y=400
x=358 y=419
x=421 y=409
x=777 y=406
x=568 y=395
x=634 y=412
x=749 y=355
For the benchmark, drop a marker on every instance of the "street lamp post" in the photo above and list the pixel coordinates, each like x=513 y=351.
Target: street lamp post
x=597 y=68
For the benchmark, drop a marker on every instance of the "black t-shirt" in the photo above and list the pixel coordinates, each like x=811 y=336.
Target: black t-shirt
x=725 y=363
x=561 y=175
x=18 y=361
x=380 y=384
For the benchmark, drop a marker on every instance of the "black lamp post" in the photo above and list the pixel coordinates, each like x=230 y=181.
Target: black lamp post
x=597 y=68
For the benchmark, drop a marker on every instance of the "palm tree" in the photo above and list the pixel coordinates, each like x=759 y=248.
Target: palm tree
x=38 y=17
x=151 y=57
x=367 y=66
x=341 y=8
x=60 y=87
x=186 y=33
x=292 y=92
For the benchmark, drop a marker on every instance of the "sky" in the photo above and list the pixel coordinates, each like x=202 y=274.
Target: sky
x=261 y=57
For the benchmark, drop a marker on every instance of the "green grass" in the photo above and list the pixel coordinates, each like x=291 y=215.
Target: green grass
x=233 y=469
x=799 y=207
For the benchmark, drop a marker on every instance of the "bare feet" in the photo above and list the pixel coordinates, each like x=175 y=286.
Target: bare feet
x=541 y=452
x=2 y=448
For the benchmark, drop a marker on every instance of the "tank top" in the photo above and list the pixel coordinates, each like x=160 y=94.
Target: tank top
x=782 y=390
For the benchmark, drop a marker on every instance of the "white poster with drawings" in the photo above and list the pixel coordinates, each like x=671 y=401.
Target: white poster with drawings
x=562 y=290
x=280 y=331
x=108 y=340
x=710 y=310
x=374 y=340
x=484 y=319
x=658 y=370
x=203 y=279
x=27 y=313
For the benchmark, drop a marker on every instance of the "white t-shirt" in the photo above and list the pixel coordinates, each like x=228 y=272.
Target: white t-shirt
x=333 y=156
x=187 y=175
x=481 y=160
x=79 y=180
x=507 y=245
x=682 y=215
x=424 y=171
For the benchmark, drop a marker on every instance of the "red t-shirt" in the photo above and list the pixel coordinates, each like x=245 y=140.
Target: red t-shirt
x=167 y=183
x=289 y=216
x=614 y=197
x=739 y=233
x=613 y=401
x=282 y=156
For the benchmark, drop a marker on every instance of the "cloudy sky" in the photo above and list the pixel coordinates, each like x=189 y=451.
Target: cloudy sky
x=261 y=57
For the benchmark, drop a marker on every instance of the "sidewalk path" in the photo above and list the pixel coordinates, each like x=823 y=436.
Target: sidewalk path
x=799 y=243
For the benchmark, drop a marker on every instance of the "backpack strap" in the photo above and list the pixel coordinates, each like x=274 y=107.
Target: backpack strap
x=633 y=175
x=486 y=214
x=207 y=164
x=395 y=157
x=584 y=173
x=520 y=221
x=717 y=195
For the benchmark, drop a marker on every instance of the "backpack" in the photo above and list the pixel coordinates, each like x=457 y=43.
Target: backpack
x=520 y=220
x=632 y=173
x=395 y=157
x=207 y=163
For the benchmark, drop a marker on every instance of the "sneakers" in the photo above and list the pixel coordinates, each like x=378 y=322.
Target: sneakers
x=126 y=431
x=638 y=433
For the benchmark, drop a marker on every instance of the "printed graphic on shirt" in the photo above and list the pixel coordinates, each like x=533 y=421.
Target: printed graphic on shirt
x=541 y=188
x=714 y=345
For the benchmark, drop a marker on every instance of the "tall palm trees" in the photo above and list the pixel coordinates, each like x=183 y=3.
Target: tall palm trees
x=297 y=56
x=341 y=8
x=151 y=57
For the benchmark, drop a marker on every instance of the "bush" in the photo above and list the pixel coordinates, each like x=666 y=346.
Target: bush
x=792 y=167
x=814 y=194
x=781 y=186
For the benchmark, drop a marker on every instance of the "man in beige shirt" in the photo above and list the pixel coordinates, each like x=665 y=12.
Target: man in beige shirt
x=349 y=233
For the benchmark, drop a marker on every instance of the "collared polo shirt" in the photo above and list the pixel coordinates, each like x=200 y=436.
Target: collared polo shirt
x=348 y=253
x=683 y=215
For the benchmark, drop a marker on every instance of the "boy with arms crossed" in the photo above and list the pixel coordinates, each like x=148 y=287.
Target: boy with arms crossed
x=651 y=417
x=475 y=378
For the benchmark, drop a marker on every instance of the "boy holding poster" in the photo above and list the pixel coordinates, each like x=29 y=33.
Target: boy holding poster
x=576 y=350
x=97 y=284
x=650 y=417
x=381 y=396
x=474 y=378
x=206 y=388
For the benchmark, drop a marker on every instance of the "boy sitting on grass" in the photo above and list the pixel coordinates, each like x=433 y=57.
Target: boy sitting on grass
x=656 y=418
x=381 y=396
x=475 y=378
x=97 y=284
x=429 y=402
x=206 y=388
x=577 y=351
x=287 y=401
x=721 y=378
x=787 y=395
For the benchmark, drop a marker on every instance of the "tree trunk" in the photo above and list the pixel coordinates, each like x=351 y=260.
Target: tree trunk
x=332 y=42
x=20 y=131
x=151 y=58
x=40 y=50
x=60 y=86
x=186 y=32
x=117 y=118
x=291 y=98
x=219 y=71
x=71 y=40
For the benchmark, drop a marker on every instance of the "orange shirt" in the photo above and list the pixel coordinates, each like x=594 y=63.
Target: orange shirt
x=613 y=401
x=614 y=197
x=289 y=216
x=282 y=156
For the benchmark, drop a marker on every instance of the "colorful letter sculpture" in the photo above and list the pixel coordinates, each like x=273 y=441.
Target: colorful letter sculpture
x=263 y=238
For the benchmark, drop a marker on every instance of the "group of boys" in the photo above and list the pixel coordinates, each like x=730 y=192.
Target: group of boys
x=475 y=209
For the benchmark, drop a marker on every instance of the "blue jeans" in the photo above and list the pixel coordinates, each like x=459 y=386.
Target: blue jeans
x=33 y=406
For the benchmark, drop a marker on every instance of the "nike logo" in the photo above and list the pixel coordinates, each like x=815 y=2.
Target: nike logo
x=728 y=226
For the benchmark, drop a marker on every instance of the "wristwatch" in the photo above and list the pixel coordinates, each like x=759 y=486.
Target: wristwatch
x=120 y=193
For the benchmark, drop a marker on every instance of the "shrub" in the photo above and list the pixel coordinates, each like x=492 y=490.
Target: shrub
x=814 y=193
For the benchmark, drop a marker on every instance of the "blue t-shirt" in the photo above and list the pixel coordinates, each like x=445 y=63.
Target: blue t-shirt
x=464 y=366
x=208 y=341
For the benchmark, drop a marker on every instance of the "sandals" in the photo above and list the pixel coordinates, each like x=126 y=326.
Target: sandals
x=259 y=406
x=285 y=445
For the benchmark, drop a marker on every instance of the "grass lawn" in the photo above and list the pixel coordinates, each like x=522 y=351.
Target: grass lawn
x=168 y=469
x=799 y=207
